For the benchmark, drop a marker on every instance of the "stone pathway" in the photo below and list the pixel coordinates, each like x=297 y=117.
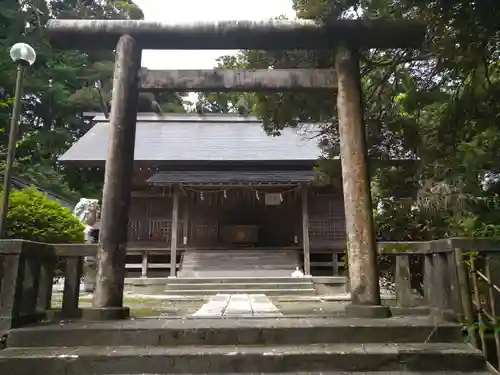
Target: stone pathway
x=238 y=305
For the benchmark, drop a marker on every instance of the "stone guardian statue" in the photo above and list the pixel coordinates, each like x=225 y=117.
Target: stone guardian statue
x=88 y=211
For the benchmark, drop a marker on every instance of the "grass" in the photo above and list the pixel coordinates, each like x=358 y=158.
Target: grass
x=144 y=306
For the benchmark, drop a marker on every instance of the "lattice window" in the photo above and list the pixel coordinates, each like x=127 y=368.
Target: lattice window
x=160 y=230
x=326 y=218
x=134 y=230
x=150 y=219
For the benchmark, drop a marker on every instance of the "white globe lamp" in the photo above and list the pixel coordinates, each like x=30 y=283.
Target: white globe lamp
x=23 y=53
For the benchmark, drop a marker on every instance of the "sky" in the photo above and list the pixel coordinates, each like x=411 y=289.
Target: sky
x=199 y=10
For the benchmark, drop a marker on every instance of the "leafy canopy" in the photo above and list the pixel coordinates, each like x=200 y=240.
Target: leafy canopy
x=59 y=88
x=437 y=105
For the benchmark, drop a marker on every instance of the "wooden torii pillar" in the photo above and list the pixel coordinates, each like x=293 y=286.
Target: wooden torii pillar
x=130 y=36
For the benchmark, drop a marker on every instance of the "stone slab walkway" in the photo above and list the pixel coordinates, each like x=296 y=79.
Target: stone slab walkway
x=238 y=305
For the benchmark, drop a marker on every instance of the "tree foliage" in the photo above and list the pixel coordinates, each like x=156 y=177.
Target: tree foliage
x=437 y=105
x=32 y=216
x=59 y=88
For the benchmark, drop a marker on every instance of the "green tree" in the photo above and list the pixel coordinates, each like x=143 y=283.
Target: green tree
x=59 y=88
x=32 y=216
x=438 y=105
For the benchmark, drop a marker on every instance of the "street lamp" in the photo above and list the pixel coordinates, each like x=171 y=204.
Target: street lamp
x=23 y=55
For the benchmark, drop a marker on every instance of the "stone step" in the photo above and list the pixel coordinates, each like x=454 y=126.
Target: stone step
x=235 y=273
x=237 y=359
x=244 y=252
x=239 y=286
x=276 y=266
x=254 y=285
x=227 y=290
x=238 y=262
x=249 y=280
x=258 y=332
x=217 y=258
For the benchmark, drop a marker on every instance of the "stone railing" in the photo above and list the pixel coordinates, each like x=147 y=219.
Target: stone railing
x=479 y=285
x=456 y=279
x=434 y=265
x=447 y=269
x=27 y=271
x=459 y=280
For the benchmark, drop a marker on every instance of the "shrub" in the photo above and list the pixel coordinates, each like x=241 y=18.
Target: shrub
x=33 y=216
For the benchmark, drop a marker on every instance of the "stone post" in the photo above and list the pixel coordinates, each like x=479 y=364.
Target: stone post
x=361 y=244
x=89 y=274
x=111 y=251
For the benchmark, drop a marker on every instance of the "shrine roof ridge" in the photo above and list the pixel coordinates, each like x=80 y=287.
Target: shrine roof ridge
x=229 y=35
x=184 y=117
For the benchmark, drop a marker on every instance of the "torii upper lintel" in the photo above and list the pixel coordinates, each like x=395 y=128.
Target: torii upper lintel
x=229 y=35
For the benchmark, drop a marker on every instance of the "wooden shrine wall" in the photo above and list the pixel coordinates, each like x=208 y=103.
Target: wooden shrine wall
x=208 y=211
x=150 y=220
x=203 y=212
x=326 y=217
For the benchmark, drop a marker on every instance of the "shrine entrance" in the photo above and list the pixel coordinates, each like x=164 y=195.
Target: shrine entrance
x=129 y=38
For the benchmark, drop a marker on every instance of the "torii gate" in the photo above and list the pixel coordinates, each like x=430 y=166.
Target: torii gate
x=130 y=37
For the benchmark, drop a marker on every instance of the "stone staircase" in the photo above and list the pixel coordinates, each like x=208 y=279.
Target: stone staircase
x=410 y=346
x=238 y=263
x=239 y=271
x=270 y=286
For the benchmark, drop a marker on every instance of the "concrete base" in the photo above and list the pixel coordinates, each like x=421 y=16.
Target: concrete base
x=368 y=311
x=105 y=314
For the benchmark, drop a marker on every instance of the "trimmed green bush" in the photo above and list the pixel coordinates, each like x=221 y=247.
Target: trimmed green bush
x=33 y=216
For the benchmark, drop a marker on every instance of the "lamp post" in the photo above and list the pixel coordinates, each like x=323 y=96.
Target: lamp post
x=23 y=55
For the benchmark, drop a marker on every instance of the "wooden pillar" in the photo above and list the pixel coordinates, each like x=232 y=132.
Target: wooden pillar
x=111 y=252
x=305 y=233
x=185 y=228
x=361 y=245
x=173 y=236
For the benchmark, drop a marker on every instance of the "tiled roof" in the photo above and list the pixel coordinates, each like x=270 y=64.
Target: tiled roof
x=232 y=177
x=194 y=137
